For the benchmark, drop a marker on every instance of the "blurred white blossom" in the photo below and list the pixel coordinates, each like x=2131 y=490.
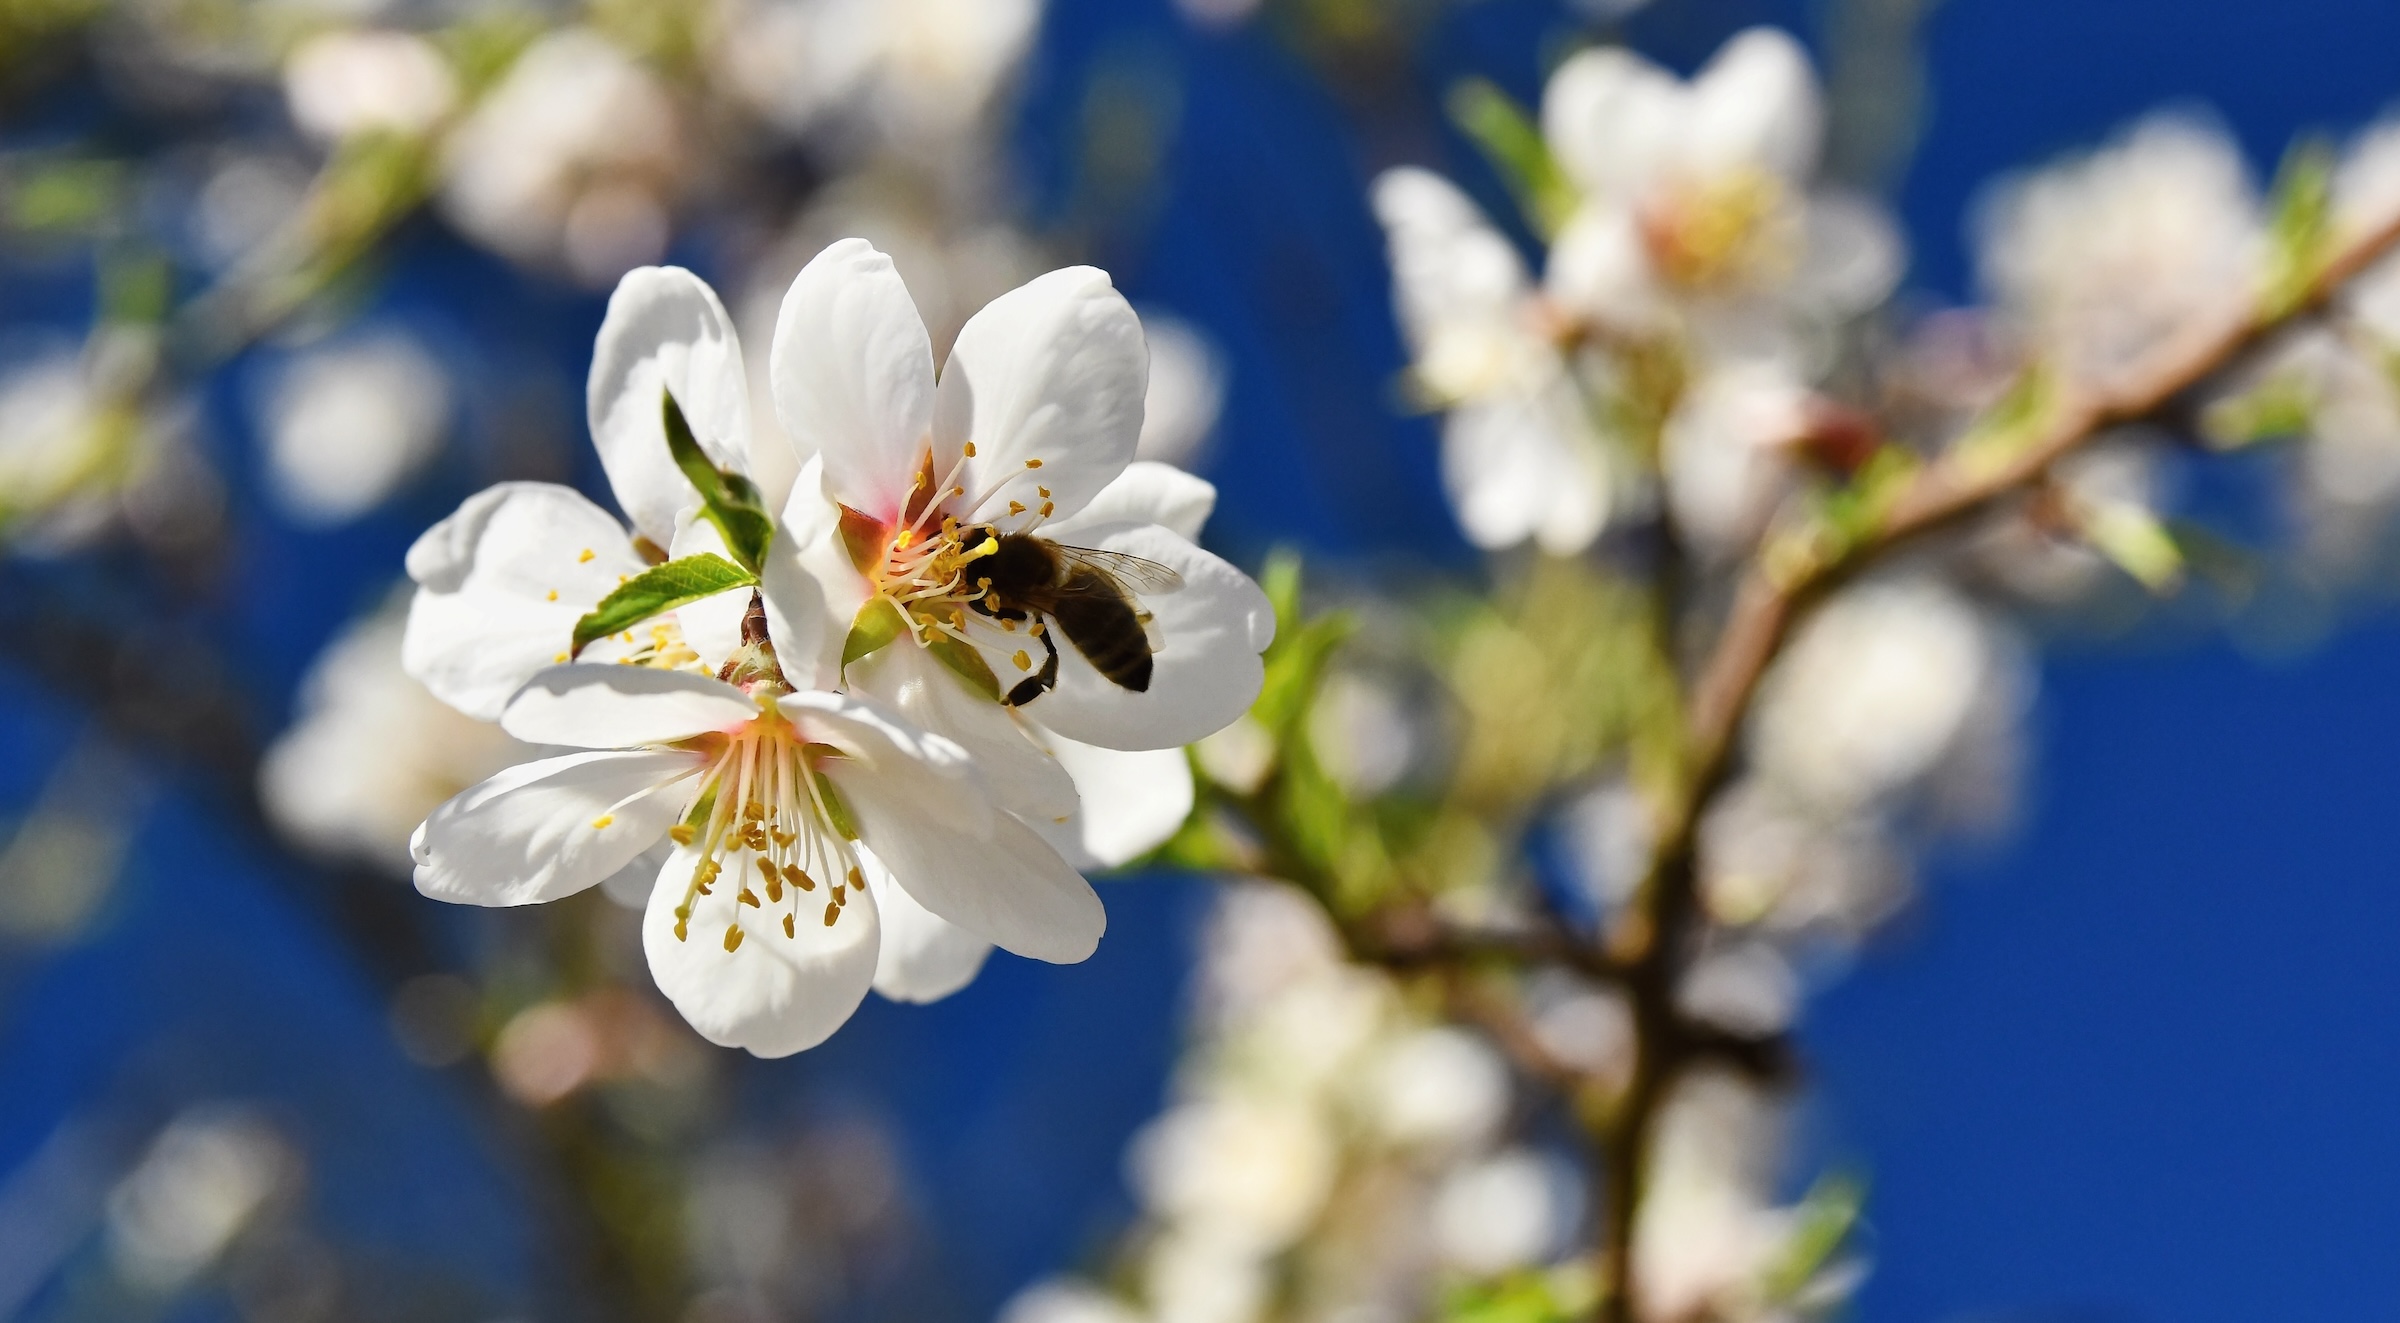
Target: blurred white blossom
x=913 y=73
x=2101 y=261
x=321 y=785
x=1187 y=392
x=341 y=83
x=348 y=422
x=203 y=1179
x=575 y=158
x=1521 y=458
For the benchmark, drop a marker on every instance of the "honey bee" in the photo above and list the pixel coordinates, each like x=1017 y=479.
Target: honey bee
x=1088 y=594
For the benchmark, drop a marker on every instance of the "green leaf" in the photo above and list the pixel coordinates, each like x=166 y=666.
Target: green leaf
x=877 y=623
x=1512 y=142
x=727 y=499
x=656 y=591
x=2303 y=223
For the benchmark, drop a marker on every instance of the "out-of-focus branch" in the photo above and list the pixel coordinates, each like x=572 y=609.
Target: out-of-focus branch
x=1777 y=590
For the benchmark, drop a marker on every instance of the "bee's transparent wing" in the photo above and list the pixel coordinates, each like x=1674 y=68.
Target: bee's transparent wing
x=1132 y=572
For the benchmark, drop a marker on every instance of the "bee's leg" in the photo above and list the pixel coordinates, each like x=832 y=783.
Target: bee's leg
x=1042 y=681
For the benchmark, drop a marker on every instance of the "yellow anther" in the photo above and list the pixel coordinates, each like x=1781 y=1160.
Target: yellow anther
x=840 y=896
x=858 y=880
x=783 y=838
x=902 y=542
x=1008 y=626
x=585 y=556
x=798 y=879
x=1033 y=463
x=787 y=927
x=970 y=450
x=733 y=936
x=1038 y=629
x=1016 y=507
x=561 y=659
x=748 y=897
x=766 y=866
x=832 y=912
x=958 y=491
x=1045 y=492
x=601 y=822
x=1024 y=663
x=554 y=594
x=774 y=888
x=681 y=833
x=683 y=930
x=754 y=810
x=624 y=579
x=1047 y=507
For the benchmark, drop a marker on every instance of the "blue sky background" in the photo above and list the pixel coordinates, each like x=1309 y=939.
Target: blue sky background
x=2135 y=1062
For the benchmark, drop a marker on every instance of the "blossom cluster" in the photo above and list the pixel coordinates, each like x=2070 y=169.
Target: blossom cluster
x=857 y=742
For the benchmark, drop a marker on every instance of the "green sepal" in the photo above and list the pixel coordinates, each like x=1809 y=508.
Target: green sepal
x=1512 y=142
x=970 y=665
x=876 y=624
x=727 y=499
x=835 y=809
x=1821 y=1227
x=656 y=591
x=2302 y=228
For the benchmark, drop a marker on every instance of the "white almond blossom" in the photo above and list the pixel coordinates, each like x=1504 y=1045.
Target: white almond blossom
x=915 y=72
x=1695 y=198
x=343 y=83
x=501 y=583
x=1029 y=434
x=573 y=159
x=2102 y=261
x=347 y=423
x=763 y=924
x=1521 y=455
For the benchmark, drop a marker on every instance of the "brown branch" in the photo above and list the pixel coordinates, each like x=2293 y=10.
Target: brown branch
x=1773 y=597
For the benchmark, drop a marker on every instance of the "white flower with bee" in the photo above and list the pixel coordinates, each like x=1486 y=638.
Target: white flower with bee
x=926 y=814
x=979 y=519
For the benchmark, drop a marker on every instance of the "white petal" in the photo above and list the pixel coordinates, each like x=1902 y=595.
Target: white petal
x=1206 y=671
x=853 y=375
x=1613 y=120
x=1006 y=885
x=618 y=707
x=630 y=887
x=1131 y=801
x=1600 y=267
x=925 y=957
x=773 y=995
x=1756 y=104
x=546 y=829
x=1147 y=492
x=665 y=331
x=1855 y=255
x=927 y=771
x=1517 y=466
x=1050 y=374
x=1018 y=776
x=811 y=590
x=1450 y=269
x=712 y=625
x=501 y=584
